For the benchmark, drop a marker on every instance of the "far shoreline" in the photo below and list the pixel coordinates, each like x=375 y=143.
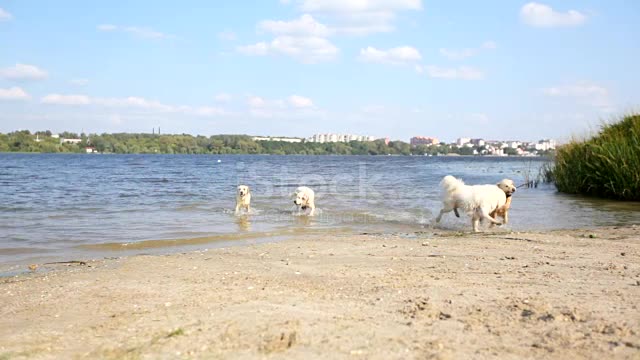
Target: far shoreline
x=541 y=157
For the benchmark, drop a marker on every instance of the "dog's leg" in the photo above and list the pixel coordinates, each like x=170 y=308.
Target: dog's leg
x=237 y=209
x=313 y=210
x=505 y=217
x=475 y=220
x=485 y=215
x=455 y=207
x=493 y=215
x=439 y=217
x=444 y=210
x=248 y=208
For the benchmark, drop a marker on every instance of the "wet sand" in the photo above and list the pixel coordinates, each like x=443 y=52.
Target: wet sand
x=562 y=294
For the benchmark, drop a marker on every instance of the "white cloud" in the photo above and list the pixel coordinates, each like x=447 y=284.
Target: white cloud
x=58 y=99
x=489 y=45
x=139 y=32
x=79 y=82
x=361 y=24
x=204 y=111
x=222 y=97
x=258 y=49
x=459 y=73
x=305 y=49
x=4 y=15
x=14 y=93
x=260 y=106
x=584 y=92
x=351 y=6
x=131 y=102
x=147 y=33
x=306 y=25
x=577 y=90
x=359 y=17
x=402 y=55
x=305 y=38
x=227 y=35
x=300 y=101
x=461 y=54
x=256 y=102
x=21 y=72
x=107 y=27
x=541 y=15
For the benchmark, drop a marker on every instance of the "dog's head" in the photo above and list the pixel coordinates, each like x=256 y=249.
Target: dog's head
x=301 y=198
x=507 y=186
x=243 y=190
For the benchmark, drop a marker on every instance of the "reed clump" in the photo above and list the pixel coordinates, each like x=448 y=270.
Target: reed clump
x=606 y=165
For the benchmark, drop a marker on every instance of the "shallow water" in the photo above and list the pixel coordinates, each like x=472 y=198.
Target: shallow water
x=54 y=205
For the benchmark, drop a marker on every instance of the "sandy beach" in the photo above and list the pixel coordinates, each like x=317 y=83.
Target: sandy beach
x=561 y=294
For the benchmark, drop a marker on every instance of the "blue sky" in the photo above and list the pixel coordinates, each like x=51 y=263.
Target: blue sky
x=492 y=69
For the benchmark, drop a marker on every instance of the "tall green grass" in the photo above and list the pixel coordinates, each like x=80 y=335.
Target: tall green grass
x=606 y=165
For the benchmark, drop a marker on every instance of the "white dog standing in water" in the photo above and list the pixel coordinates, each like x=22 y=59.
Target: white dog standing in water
x=479 y=201
x=305 y=199
x=243 y=198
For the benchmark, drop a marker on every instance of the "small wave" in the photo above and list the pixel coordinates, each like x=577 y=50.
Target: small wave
x=219 y=238
x=297 y=185
x=154 y=180
x=22 y=250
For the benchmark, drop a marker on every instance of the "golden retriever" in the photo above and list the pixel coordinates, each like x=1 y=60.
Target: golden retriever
x=479 y=201
x=243 y=198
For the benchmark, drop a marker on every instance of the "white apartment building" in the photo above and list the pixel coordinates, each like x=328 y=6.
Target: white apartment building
x=545 y=144
x=462 y=141
x=272 y=138
x=70 y=141
x=514 y=144
x=478 y=142
x=328 y=138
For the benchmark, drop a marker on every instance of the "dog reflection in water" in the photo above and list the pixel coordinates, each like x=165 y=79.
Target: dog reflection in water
x=243 y=223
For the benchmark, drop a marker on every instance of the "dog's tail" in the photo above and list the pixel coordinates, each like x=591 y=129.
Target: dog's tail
x=450 y=185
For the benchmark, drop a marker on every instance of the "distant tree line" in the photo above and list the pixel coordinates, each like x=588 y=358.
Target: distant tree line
x=126 y=143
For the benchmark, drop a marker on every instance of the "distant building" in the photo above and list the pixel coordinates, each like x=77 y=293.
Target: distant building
x=513 y=144
x=478 y=142
x=90 y=150
x=423 y=140
x=55 y=136
x=492 y=150
x=272 y=138
x=70 y=141
x=546 y=144
x=329 y=138
x=462 y=141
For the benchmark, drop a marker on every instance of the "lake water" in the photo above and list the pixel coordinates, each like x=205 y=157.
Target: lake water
x=58 y=206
